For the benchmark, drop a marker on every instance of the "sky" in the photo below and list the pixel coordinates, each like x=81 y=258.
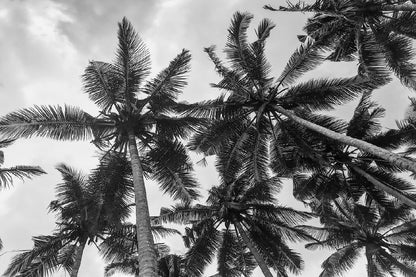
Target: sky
x=45 y=46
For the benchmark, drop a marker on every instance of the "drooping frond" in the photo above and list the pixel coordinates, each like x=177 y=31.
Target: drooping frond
x=56 y=122
x=171 y=167
x=19 y=171
x=342 y=260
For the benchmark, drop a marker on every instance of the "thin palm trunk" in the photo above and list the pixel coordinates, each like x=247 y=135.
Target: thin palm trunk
x=410 y=7
x=370 y=263
x=383 y=187
x=391 y=157
x=78 y=258
x=259 y=259
x=145 y=245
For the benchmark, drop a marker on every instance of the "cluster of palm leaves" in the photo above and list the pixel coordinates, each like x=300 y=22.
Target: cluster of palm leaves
x=260 y=129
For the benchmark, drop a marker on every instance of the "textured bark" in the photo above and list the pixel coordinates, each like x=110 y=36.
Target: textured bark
x=370 y=263
x=78 y=258
x=383 y=187
x=259 y=259
x=146 y=249
x=391 y=157
x=398 y=7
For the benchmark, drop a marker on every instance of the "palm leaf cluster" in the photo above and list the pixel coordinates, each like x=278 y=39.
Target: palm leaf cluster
x=260 y=129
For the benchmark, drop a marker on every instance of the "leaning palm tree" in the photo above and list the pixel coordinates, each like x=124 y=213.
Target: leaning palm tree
x=242 y=223
x=323 y=169
x=87 y=209
x=387 y=236
x=255 y=107
x=378 y=32
x=132 y=116
x=19 y=171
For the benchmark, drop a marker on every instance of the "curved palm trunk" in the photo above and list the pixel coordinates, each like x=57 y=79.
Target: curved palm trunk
x=145 y=244
x=391 y=157
x=78 y=258
x=259 y=259
x=392 y=191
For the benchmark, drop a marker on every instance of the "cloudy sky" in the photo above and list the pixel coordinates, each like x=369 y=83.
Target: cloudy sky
x=45 y=46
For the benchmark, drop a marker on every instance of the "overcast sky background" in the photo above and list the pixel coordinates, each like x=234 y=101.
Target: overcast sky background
x=45 y=46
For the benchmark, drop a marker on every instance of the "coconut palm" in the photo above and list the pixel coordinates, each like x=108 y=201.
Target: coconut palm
x=19 y=171
x=87 y=208
x=378 y=32
x=324 y=169
x=119 y=249
x=387 y=236
x=241 y=223
x=132 y=116
x=255 y=108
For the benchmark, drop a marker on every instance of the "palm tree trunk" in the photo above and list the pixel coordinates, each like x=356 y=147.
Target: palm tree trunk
x=397 y=8
x=383 y=187
x=78 y=258
x=145 y=244
x=259 y=259
x=391 y=157
x=370 y=263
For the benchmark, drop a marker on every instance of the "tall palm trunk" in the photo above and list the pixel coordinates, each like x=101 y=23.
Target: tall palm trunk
x=78 y=258
x=145 y=244
x=410 y=7
x=370 y=263
x=384 y=154
x=259 y=259
x=392 y=191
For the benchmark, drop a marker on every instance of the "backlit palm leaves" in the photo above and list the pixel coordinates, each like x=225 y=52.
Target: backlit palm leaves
x=133 y=115
x=387 y=236
x=19 y=171
x=87 y=207
x=378 y=32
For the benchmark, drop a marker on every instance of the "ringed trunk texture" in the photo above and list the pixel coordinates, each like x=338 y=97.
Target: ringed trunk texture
x=398 y=7
x=392 y=191
x=78 y=258
x=370 y=263
x=145 y=243
x=259 y=259
x=391 y=157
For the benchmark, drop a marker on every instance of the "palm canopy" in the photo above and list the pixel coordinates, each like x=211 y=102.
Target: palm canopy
x=19 y=171
x=323 y=169
x=87 y=208
x=378 y=32
x=255 y=107
x=119 y=250
x=242 y=224
x=387 y=237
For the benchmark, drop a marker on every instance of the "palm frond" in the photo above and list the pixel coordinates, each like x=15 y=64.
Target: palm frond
x=304 y=59
x=103 y=85
x=171 y=167
x=19 y=171
x=132 y=60
x=56 y=122
x=340 y=261
x=326 y=92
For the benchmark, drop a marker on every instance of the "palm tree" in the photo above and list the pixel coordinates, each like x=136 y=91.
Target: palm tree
x=387 y=237
x=87 y=209
x=256 y=107
x=379 y=32
x=20 y=171
x=132 y=116
x=323 y=169
x=119 y=249
x=242 y=223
